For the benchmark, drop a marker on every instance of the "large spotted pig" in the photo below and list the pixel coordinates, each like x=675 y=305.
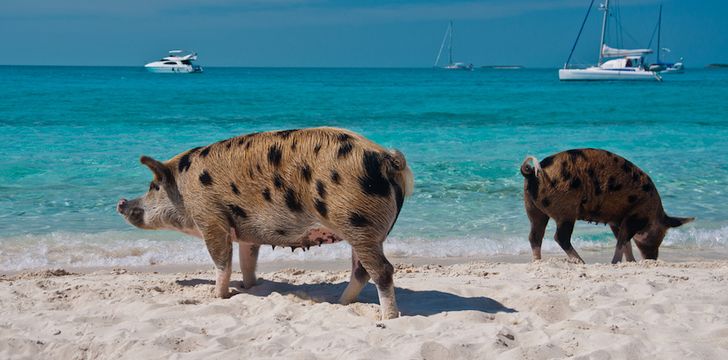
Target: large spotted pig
x=596 y=186
x=293 y=188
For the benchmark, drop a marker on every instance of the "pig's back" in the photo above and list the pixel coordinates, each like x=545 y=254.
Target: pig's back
x=595 y=185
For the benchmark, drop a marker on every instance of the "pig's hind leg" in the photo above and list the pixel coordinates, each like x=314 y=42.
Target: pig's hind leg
x=564 y=229
x=538 y=220
x=371 y=255
x=359 y=278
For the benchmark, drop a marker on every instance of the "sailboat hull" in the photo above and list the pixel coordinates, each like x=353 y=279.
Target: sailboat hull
x=597 y=74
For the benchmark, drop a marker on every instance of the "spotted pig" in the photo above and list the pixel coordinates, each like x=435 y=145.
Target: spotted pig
x=292 y=188
x=596 y=186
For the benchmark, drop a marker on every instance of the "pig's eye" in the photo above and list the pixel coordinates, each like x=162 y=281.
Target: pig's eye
x=153 y=186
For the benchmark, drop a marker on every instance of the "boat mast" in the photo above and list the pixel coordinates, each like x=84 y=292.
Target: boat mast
x=605 y=8
x=442 y=46
x=659 y=30
x=450 y=42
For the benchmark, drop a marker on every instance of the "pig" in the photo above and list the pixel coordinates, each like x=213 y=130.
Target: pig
x=597 y=186
x=291 y=188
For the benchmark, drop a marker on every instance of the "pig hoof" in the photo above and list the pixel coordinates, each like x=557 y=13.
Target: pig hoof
x=392 y=314
x=249 y=284
x=223 y=294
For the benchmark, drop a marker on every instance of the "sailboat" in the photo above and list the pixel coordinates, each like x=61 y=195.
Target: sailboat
x=665 y=67
x=614 y=64
x=451 y=65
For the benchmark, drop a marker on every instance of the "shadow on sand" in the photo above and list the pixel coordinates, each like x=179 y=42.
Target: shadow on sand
x=424 y=302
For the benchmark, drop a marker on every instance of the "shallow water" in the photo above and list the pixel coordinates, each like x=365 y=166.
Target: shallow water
x=71 y=138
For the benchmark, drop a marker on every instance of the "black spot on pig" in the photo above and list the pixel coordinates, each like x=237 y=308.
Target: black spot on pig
x=343 y=137
x=316 y=149
x=335 y=177
x=612 y=184
x=205 y=151
x=321 y=189
x=266 y=194
x=185 y=162
x=647 y=187
x=545 y=202
x=575 y=154
x=306 y=172
x=546 y=162
x=274 y=155
x=205 y=178
x=294 y=144
x=373 y=182
x=595 y=182
x=627 y=166
x=565 y=174
x=321 y=207
x=575 y=183
x=234 y=188
x=238 y=211
x=284 y=134
x=532 y=186
x=277 y=181
x=358 y=220
x=398 y=196
x=344 y=149
x=292 y=201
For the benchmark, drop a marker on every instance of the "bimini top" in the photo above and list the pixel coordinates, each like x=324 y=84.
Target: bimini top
x=180 y=55
x=612 y=52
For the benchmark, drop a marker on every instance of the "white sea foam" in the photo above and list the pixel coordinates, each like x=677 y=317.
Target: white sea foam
x=108 y=249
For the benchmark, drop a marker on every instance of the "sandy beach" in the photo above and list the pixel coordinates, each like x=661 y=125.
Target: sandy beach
x=476 y=309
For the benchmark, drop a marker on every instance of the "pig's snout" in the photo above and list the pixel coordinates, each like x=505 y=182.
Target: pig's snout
x=122 y=205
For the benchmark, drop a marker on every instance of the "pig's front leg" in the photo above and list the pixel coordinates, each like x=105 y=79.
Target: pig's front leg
x=248 y=255
x=219 y=245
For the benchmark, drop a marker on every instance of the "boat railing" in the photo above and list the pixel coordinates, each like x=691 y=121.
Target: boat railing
x=577 y=66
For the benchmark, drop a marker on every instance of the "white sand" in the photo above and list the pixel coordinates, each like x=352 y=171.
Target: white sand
x=550 y=309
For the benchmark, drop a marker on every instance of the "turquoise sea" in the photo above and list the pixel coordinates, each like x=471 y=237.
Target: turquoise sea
x=71 y=137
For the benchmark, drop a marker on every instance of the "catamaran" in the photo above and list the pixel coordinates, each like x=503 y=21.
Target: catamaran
x=178 y=61
x=451 y=65
x=665 y=67
x=614 y=64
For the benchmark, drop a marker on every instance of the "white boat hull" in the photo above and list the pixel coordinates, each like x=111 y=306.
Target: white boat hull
x=173 y=69
x=597 y=74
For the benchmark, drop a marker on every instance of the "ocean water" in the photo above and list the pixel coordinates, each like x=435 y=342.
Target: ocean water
x=71 y=138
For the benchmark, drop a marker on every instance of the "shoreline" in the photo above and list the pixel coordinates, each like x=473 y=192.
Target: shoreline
x=590 y=256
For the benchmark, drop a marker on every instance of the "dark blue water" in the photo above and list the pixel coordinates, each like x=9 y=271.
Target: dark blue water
x=71 y=138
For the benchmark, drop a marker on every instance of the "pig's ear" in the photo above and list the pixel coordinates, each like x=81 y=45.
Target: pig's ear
x=161 y=171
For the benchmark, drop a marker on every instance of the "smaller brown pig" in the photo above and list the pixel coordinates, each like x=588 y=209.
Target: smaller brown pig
x=292 y=188
x=596 y=186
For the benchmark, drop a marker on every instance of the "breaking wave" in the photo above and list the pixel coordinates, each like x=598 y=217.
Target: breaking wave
x=120 y=248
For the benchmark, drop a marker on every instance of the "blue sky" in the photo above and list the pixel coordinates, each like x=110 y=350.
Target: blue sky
x=343 y=33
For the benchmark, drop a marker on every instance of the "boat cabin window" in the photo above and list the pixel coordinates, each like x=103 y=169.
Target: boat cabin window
x=186 y=62
x=170 y=63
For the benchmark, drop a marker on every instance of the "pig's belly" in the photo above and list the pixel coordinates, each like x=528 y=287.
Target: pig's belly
x=314 y=236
